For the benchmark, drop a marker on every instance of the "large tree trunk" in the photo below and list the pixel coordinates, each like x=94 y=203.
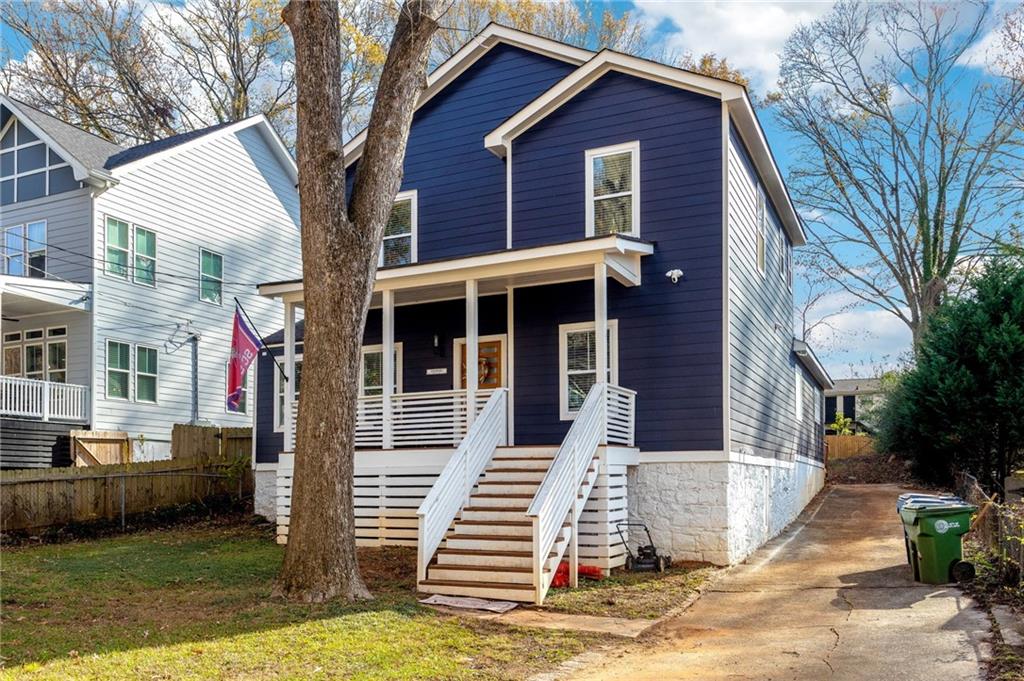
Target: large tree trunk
x=339 y=263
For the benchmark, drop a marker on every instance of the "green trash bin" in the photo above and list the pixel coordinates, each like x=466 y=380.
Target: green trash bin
x=935 y=544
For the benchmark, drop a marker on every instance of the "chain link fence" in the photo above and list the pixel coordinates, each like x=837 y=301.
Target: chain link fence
x=999 y=527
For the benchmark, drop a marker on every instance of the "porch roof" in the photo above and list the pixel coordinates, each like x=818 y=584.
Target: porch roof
x=495 y=271
x=23 y=296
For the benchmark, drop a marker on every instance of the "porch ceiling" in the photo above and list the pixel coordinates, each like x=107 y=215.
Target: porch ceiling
x=494 y=272
x=23 y=297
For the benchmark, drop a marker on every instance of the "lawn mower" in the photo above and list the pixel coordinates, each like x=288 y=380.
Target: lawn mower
x=646 y=558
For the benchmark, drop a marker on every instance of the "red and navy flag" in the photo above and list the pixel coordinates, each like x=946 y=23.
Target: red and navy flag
x=244 y=346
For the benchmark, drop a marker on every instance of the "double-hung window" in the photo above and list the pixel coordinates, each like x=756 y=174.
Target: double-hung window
x=613 y=190
x=146 y=374
x=761 y=231
x=399 y=246
x=798 y=393
x=211 y=276
x=119 y=357
x=118 y=247
x=280 y=383
x=371 y=380
x=578 y=363
x=145 y=257
x=24 y=249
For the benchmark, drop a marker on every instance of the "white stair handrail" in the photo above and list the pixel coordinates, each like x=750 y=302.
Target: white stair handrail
x=557 y=493
x=453 y=487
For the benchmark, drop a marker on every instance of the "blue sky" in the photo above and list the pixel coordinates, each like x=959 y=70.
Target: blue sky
x=751 y=36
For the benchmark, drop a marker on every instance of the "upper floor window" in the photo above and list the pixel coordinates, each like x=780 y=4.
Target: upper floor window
x=145 y=256
x=613 y=191
x=28 y=168
x=211 y=276
x=761 y=230
x=118 y=245
x=131 y=248
x=789 y=265
x=24 y=250
x=399 y=246
x=782 y=254
x=578 y=363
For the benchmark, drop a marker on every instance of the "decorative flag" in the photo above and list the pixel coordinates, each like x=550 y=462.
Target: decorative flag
x=244 y=346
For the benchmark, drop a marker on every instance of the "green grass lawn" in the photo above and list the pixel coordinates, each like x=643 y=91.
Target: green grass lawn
x=194 y=603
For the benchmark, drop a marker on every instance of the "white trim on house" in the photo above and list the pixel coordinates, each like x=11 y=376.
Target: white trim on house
x=761 y=233
x=279 y=423
x=136 y=373
x=735 y=97
x=199 y=291
x=491 y=35
x=726 y=297
x=411 y=196
x=590 y=155
x=457 y=344
x=563 y=361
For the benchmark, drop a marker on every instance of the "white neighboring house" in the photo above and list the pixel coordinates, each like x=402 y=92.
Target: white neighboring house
x=119 y=272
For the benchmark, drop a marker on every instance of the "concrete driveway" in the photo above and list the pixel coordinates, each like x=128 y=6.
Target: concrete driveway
x=831 y=598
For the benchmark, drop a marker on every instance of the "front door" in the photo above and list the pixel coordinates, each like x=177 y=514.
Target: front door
x=490 y=364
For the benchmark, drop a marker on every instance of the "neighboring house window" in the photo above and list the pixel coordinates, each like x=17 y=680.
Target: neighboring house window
x=761 y=230
x=578 y=363
x=118 y=243
x=399 y=246
x=146 y=374
x=243 y=402
x=798 y=394
x=57 y=354
x=28 y=168
x=118 y=370
x=211 y=276
x=145 y=257
x=613 y=193
x=371 y=380
x=279 y=384
x=24 y=250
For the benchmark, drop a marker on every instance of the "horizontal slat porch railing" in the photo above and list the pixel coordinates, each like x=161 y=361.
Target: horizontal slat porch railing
x=436 y=418
x=44 y=400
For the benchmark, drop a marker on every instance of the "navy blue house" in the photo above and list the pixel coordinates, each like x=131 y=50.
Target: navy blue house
x=582 y=223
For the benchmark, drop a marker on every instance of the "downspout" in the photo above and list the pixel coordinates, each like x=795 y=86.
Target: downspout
x=193 y=339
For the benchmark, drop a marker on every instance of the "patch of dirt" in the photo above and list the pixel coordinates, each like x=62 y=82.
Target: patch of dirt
x=872 y=469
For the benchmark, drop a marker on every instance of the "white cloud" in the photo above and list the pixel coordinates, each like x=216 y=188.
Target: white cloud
x=749 y=34
x=862 y=341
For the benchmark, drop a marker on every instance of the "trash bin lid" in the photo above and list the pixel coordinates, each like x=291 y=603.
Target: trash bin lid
x=932 y=509
x=925 y=499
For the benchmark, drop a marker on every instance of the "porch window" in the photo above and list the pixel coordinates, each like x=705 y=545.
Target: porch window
x=578 y=363
x=371 y=382
x=34 y=366
x=613 y=201
x=761 y=231
x=118 y=368
x=211 y=276
x=145 y=374
x=399 y=246
x=279 y=390
x=117 y=247
x=57 y=354
x=12 y=354
x=145 y=257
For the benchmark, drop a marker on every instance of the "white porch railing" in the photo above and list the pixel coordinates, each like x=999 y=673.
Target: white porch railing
x=452 y=489
x=607 y=416
x=436 y=418
x=44 y=400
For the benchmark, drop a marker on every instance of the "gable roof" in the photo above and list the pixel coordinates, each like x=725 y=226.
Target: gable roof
x=85 y=152
x=491 y=35
x=733 y=95
x=126 y=156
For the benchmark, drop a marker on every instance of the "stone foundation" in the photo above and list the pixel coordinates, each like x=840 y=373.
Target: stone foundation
x=265 y=492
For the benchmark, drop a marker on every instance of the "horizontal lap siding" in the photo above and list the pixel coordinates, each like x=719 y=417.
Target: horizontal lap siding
x=670 y=336
x=68 y=226
x=762 y=364
x=230 y=195
x=35 y=444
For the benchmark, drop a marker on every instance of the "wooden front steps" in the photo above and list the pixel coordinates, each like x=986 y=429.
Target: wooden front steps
x=490 y=552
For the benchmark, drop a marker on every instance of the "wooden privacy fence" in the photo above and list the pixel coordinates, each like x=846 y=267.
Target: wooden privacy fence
x=34 y=499
x=191 y=442
x=844 y=446
x=97 y=447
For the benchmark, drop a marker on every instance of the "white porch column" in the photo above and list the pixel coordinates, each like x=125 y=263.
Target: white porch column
x=289 y=373
x=601 y=320
x=388 y=363
x=472 y=350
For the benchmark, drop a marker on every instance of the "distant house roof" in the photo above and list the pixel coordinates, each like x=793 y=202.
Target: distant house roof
x=855 y=386
x=142 y=150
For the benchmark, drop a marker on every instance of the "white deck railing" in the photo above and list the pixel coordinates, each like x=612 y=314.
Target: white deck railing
x=436 y=418
x=452 y=489
x=44 y=400
x=607 y=416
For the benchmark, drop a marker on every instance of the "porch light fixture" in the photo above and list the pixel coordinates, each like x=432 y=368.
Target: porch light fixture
x=674 y=275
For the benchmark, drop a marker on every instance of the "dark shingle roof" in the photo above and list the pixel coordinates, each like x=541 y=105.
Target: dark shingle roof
x=143 y=150
x=277 y=338
x=87 y=149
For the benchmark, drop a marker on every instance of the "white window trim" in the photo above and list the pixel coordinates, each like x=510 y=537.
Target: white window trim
x=761 y=232
x=21 y=357
x=590 y=155
x=409 y=195
x=107 y=370
x=46 y=168
x=63 y=339
x=782 y=253
x=199 y=292
x=136 y=373
x=789 y=263
x=106 y=263
x=457 y=344
x=277 y=390
x=563 y=361
x=798 y=393
x=369 y=349
x=135 y=255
